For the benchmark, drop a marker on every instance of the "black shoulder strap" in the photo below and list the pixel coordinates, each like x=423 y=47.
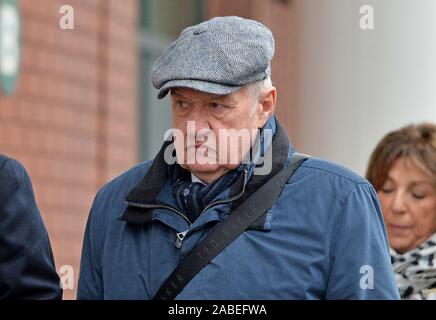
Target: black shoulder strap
x=224 y=233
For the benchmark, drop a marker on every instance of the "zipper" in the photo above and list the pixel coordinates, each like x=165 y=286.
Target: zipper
x=156 y=206
x=180 y=213
x=235 y=197
x=180 y=236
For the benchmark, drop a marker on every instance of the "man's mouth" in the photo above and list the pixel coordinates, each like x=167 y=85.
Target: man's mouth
x=197 y=145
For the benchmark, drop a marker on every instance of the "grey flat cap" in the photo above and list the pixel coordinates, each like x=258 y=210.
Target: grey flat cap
x=217 y=56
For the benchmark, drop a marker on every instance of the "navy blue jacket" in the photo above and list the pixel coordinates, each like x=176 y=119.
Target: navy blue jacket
x=27 y=268
x=323 y=239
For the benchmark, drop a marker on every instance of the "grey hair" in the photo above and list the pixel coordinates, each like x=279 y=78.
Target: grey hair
x=258 y=88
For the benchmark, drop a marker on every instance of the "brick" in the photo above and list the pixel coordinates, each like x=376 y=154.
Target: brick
x=52 y=123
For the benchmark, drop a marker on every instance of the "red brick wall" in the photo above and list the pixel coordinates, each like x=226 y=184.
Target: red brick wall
x=72 y=119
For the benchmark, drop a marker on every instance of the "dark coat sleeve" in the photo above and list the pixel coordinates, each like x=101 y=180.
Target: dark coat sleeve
x=27 y=269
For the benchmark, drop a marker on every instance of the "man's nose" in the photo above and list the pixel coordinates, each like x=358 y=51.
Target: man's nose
x=199 y=118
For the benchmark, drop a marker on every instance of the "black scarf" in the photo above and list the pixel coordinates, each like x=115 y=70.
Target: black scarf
x=193 y=197
x=415 y=271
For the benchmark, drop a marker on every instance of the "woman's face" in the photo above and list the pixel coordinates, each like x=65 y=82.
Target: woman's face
x=408 y=199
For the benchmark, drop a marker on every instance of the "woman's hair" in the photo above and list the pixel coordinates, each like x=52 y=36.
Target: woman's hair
x=416 y=141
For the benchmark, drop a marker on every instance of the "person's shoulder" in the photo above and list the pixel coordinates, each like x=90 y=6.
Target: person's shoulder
x=128 y=179
x=109 y=202
x=321 y=177
x=15 y=188
x=5 y=165
x=6 y=162
x=10 y=169
x=3 y=160
x=332 y=171
x=123 y=183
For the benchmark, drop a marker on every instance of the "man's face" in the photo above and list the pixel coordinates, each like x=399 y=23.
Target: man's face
x=209 y=125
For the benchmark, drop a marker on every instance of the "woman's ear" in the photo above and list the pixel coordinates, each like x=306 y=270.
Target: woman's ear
x=266 y=106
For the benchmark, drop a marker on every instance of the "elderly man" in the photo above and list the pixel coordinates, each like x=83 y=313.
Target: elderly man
x=192 y=225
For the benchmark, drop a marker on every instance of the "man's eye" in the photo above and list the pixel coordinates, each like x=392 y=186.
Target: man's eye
x=216 y=106
x=181 y=104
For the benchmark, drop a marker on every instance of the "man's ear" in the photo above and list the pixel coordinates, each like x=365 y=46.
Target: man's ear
x=266 y=106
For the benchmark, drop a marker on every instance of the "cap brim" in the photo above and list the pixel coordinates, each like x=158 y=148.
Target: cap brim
x=203 y=86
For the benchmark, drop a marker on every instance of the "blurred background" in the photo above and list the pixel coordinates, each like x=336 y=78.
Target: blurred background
x=77 y=107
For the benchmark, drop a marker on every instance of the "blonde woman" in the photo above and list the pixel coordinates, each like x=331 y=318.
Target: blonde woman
x=402 y=169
